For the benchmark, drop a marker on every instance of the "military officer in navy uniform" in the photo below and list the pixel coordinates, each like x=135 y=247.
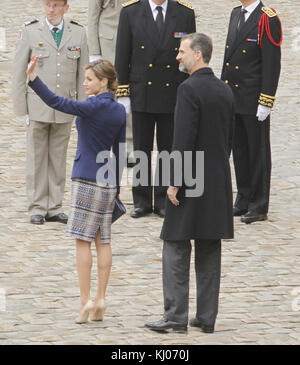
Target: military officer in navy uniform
x=147 y=45
x=252 y=68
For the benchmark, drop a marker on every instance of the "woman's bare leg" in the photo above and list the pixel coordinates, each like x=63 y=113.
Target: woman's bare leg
x=84 y=266
x=104 y=262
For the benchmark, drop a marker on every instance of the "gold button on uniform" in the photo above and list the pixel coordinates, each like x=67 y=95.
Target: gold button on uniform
x=167 y=84
x=227 y=64
x=143 y=47
x=176 y=49
x=237 y=67
x=150 y=65
x=227 y=46
x=168 y=66
x=149 y=83
x=226 y=81
x=244 y=51
x=236 y=85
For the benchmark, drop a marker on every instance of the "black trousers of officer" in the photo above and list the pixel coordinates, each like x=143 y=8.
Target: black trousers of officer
x=143 y=126
x=252 y=163
x=176 y=272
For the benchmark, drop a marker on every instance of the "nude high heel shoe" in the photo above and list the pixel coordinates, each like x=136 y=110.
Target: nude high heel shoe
x=98 y=312
x=84 y=312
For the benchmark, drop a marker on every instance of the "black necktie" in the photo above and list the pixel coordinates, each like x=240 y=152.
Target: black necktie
x=159 y=19
x=241 y=19
x=55 y=30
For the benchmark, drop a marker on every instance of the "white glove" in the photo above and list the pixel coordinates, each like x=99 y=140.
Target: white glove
x=95 y=58
x=263 y=112
x=23 y=119
x=125 y=101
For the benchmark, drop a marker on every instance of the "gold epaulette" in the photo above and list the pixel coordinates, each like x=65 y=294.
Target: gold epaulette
x=123 y=90
x=31 y=22
x=130 y=3
x=184 y=3
x=266 y=100
x=268 y=11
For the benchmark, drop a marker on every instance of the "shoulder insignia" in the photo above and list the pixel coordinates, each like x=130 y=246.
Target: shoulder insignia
x=31 y=22
x=268 y=11
x=73 y=22
x=184 y=3
x=130 y=3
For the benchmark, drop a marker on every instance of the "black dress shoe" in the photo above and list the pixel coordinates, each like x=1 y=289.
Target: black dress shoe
x=237 y=212
x=61 y=218
x=163 y=325
x=37 y=219
x=140 y=212
x=251 y=217
x=160 y=212
x=195 y=322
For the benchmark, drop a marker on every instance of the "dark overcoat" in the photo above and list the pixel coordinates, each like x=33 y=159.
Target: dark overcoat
x=145 y=62
x=203 y=121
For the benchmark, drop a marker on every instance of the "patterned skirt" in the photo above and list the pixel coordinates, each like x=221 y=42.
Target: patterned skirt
x=91 y=209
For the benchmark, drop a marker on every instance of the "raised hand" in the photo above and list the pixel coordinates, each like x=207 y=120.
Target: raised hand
x=31 y=68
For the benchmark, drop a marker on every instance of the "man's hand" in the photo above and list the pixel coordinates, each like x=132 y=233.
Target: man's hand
x=262 y=112
x=94 y=58
x=31 y=68
x=172 y=192
x=125 y=101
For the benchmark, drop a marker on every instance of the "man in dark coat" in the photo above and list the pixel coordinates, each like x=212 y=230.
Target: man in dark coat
x=203 y=119
x=251 y=68
x=147 y=44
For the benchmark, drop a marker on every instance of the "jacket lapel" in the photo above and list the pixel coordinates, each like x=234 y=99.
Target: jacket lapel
x=46 y=34
x=233 y=28
x=150 y=26
x=170 y=24
x=251 y=23
x=66 y=34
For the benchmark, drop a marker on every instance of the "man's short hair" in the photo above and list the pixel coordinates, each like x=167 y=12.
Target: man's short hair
x=200 y=42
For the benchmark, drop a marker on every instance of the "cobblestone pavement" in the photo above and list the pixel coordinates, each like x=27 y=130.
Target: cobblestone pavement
x=260 y=288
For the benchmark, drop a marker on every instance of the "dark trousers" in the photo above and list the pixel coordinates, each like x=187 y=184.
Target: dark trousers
x=252 y=163
x=176 y=273
x=143 y=126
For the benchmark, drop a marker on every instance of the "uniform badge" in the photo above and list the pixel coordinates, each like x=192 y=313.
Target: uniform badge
x=251 y=40
x=179 y=34
x=41 y=44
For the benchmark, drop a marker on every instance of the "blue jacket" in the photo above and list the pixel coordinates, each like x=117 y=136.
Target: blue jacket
x=101 y=125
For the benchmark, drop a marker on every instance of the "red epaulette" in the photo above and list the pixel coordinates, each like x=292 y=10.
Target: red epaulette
x=264 y=26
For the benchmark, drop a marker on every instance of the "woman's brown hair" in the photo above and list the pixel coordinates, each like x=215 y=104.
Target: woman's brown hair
x=104 y=69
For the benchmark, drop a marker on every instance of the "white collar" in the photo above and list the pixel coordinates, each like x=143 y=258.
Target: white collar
x=55 y=26
x=251 y=7
x=163 y=5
